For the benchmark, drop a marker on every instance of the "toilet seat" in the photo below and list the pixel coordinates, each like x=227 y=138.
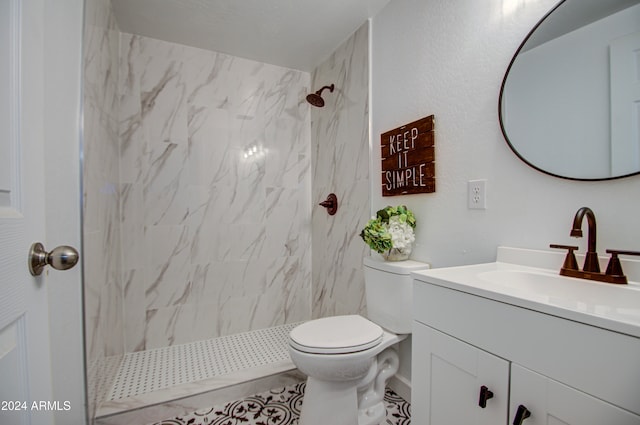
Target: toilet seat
x=336 y=335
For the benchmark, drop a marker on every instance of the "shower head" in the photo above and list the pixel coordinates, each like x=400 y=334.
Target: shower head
x=316 y=98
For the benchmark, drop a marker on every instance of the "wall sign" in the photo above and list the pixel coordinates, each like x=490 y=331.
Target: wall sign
x=408 y=157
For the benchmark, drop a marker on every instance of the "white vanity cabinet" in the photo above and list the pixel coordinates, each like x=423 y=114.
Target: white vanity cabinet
x=448 y=376
x=561 y=371
x=551 y=403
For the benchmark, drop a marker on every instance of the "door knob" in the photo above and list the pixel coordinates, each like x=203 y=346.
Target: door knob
x=61 y=258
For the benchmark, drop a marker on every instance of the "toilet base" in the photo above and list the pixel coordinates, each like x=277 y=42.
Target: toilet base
x=329 y=402
x=357 y=402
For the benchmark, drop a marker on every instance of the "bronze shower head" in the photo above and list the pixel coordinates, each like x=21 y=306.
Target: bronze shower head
x=316 y=98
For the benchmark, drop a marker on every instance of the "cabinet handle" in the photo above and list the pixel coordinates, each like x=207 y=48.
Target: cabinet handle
x=485 y=394
x=521 y=414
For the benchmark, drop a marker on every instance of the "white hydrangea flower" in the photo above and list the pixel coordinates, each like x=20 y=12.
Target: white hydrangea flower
x=402 y=235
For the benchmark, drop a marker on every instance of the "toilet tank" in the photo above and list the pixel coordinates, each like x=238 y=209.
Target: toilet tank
x=389 y=292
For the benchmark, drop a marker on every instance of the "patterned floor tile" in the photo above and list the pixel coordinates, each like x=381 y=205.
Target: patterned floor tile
x=277 y=407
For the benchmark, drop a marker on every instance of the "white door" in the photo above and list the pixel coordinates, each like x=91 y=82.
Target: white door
x=448 y=377
x=551 y=403
x=624 y=57
x=25 y=369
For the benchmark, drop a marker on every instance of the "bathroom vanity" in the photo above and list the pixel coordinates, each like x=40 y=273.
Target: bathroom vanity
x=512 y=342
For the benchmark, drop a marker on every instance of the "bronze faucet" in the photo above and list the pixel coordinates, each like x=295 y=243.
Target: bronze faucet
x=591 y=258
x=591 y=268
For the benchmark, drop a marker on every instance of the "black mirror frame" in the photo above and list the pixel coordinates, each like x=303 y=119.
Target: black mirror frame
x=504 y=132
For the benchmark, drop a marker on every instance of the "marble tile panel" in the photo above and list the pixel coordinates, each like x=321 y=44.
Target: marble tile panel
x=129 y=76
x=168 y=284
x=235 y=314
x=134 y=316
x=215 y=281
x=207 y=207
x=158 y=63
x=244 y=241
x=131 y=205
x=284 y=221
x=243 y=199
x=212 y=78
x=164 y=110
x=103 y=291
x=340 y=164
x=210 y=155
x=133 y=157
x=112 y=315
x=132 y=134
x=286 y=168
x=165 y=191
x=180 y=324
x=133 y=246
x=100 y=61
x=267 y=310
x=100 y=182
x=294 y=298
x=166 y=244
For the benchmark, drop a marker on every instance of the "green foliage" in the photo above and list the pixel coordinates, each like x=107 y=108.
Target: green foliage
x=405 y=215
x=376 y=233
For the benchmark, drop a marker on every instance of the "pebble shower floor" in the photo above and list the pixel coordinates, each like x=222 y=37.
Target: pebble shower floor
x=278 y=407
x=152 y=370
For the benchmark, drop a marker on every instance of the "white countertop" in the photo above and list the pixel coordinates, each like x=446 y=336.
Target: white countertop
x=605 y=305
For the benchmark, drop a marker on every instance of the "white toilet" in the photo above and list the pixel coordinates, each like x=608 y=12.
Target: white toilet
x=348 y=359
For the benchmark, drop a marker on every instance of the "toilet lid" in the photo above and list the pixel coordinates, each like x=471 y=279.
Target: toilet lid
x=336 y=335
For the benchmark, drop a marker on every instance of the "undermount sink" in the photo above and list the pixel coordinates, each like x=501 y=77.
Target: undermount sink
x=587 y=296
x=614 y=307
x=535 y=280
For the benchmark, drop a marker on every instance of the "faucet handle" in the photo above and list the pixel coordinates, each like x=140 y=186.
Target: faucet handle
x=622 y=252
x=570 y=262
x=615 y=268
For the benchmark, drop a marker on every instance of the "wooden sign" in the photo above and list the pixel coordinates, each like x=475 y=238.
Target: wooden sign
x=408 y=157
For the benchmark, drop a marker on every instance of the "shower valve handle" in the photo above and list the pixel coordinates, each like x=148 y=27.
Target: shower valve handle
x=331 y=203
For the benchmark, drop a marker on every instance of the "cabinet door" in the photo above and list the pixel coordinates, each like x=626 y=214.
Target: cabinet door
x=552 y=403
x=447 y=378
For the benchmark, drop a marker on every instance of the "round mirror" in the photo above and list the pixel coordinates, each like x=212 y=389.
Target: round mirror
x=570 y=99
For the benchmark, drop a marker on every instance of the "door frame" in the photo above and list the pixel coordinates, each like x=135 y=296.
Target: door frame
x=64 y=25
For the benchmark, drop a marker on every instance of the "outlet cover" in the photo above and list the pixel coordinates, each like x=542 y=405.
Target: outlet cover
x=477 y=194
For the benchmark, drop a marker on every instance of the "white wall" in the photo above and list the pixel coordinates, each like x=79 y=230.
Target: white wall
x=448 y=58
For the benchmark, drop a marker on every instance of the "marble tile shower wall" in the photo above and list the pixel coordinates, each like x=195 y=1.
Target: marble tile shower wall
x=340 y=156
x=101 y=227
x=215 y=240
x=103 y=302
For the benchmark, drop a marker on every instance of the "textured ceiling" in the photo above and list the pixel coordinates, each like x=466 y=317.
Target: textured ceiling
x=296 y=34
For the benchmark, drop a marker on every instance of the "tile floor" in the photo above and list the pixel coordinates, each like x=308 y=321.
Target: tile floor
x=277 y=407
